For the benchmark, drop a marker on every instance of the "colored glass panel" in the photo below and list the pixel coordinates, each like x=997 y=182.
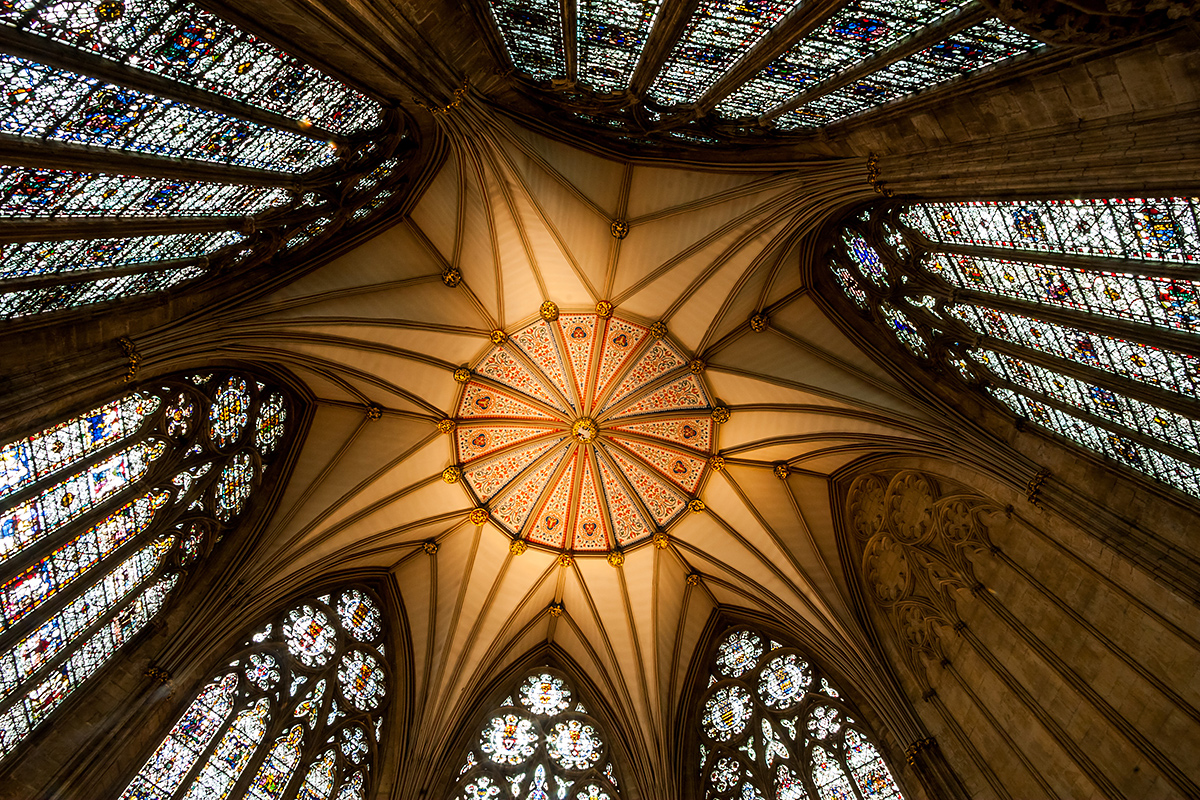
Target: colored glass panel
x=26 y=192
x=727 y=713
x=1149 y=229
x=533 y=35
x=361 y=679
x=28 y=259
x=318 y=783
x=180 y=41
x=829 y=776
x=611 y=36
x=26 y=460
x=165 y=770
x=717 y=36
x=738 y=653
x=858 y=30
x=866 y=766
x=232 y=754
x=1162 y=302
x=574 y=744
x=37 y=301
x=65 y=106
x=234 y=486
x=983 y=45
x=276 y=771
x=269 y=428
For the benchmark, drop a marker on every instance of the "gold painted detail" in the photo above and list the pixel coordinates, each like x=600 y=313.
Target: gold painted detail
x=516 y=547
x=374 y=412
x=920 y=744
x=455 y=100
x=462 y=375
x=157 y=673
x=1033 y=490
x=67 y=499
x=720 y=415
x=135 y=358
x=781 y=471
x=873 y=174
x=616 y=558
x=696 y=505
x=498 y=336
x=446 y=425
x=452 y=277
x=604 y=309
x=584 y=430
x=555 y=609
x=661 y=540
x=717 y=463
x=693 y=579
x=430 y=547
x=658 y=330
x=619 y=228
x=565 y=560
x=478 y=516
x=549 y=311
x=759 y=322
x=451 y=474
x=697 y=365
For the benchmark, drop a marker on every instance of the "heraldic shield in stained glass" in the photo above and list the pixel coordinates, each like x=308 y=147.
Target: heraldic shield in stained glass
x=584 y=433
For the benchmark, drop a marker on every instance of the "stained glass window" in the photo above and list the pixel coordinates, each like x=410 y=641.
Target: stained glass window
x=533 y=33
x=126 y=82
x=539 y=744
x=1079 y=315
x=295 y=712
x=99 y=517
x=771 y=726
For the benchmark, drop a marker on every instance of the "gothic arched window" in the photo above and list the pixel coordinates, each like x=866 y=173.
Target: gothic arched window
x=1079 y=315
x=295 y=714
x=153 y=142
x=773 y=728
x=539 y=744
x=734 y=68
x=103 y=515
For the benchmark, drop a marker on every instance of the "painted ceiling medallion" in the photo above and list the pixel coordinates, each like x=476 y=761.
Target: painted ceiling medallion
x=584 y=433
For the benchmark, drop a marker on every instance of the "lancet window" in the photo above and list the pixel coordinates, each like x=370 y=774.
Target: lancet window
x=775 y=65
x=1079 y=315
x=296 y=713
x=541 y=743
x=104 y=515
x=151 y=143
x=773 y=727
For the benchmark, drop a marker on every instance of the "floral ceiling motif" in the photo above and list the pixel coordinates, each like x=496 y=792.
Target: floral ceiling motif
x=584 y=433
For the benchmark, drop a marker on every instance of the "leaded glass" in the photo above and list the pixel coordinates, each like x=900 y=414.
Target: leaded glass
x=739 y=653
x=719 y=33
x=65 y=106
x=779 y=739
x=537 y=746
x=533 y=34
x=1105 y=366
x=611 y=36
x=858 y=30
x=275 y=745
x=101 y=496
x=983 y=45
x=180 y=41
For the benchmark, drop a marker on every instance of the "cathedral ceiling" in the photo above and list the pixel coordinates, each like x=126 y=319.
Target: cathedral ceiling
x=515 y=220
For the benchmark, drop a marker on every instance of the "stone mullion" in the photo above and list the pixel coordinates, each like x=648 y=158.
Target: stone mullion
x=960 y=20
x=18 y=694
x=84 y=276
x=26 y=151
x=570 y=39
x=673 y=17
x=1117 y=720
x=1098 y=421
x=795 y=26
x=47 y=51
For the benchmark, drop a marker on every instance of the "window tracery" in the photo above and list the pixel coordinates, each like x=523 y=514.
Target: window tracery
x=772 y=728
x=103 y=514
x=297 y=713
x=1078 y=315
x=541 y=743
x=153 y=110
x=737 y=67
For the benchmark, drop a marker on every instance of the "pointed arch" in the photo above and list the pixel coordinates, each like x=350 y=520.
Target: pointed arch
x=296 y=712
x=538 y=742
x=772 y=726
x=105 y=515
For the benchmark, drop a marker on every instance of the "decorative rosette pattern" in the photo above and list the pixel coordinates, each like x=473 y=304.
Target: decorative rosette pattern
x=584 y=434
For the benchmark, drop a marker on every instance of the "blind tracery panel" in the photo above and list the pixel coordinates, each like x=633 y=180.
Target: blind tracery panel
x=540 y=744
x=296 y=714
x=1079 y=315
x=148 y=111
x=103 y=515
x=773 y=728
